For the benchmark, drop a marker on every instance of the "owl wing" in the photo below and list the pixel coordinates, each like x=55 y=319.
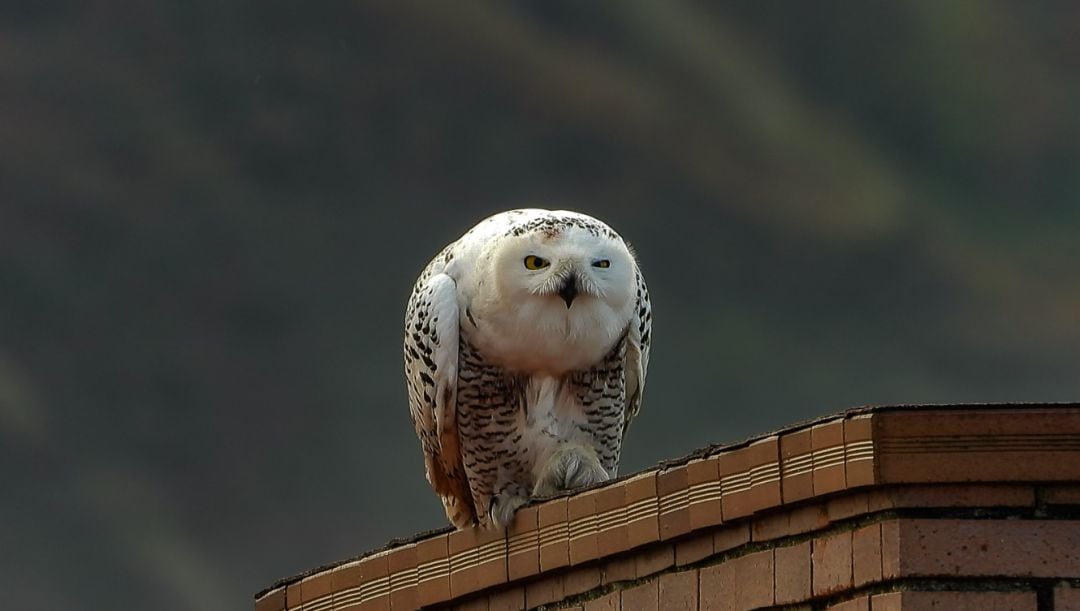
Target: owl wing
x=637 y=350
x=431 y=367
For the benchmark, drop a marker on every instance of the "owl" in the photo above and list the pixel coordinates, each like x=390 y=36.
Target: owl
x=526 y=348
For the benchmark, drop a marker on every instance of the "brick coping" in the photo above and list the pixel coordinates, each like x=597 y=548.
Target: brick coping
x=860 y=448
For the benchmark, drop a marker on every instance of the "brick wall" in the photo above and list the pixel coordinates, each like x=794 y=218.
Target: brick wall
x=968 y=507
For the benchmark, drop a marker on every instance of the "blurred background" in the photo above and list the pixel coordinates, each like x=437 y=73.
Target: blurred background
x=211 y=215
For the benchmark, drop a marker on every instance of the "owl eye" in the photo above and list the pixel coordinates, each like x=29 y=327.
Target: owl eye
x=602 y=264
x=535 y=262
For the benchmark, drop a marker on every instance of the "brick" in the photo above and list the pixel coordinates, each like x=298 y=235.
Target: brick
x=866 y=555
x=607 y=602
x=679 y=591
x=612 y=535
x=273 y=600
x=735 y=483
x=765 y=487
x=581 y=514
x=796 y=466
x=745 y=582
x=792 y=573
x=1066 y=598
x=946 y=601
x=479 y=603
x=292 y=595
x=642 y=510
x=859 y=451
x=1023 y=444
x=807 y=518
x=523 y=545
x=1009 y=548
x=433 y=570
x=832 y=563
x=694 y=549
x=827 y=442
x=645 y=597
x=730 y=537
x=890 y=549
x=403 y=578
x=1063 y=494
x=861 y=603
x=847 y=506
x=316 y=587
x=477 y=560
x=581 y=580
x=671 y=489
x=952 y=495
x=654 y=560
x=510 y=599
x=704 y=493
x=544 y=590
x=554 y=534
x=365 y=580
x=621 y=568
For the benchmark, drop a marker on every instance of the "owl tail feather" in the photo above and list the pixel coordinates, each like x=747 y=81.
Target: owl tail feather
x=459 y=511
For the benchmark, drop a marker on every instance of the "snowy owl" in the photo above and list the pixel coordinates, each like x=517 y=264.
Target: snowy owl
x=526 y=347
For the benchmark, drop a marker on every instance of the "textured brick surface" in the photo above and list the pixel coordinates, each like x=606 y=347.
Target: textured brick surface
x=792 y=573
x=866 y=554
x=730 y=537
x=745 y=582
x=655 y=559
x=622 y=568
x=510 y=599
x=1063 y=494
x=861 y=603
x=544 y=590
x=645 y=597
x=1012 y=548
x=827 y=441
x=272 y=601
x=832 y=563
x=679 y=591
x=581 y=580
x=1066 y=598
x=693 y=549
x=955 y=601
x=608 y=602
x=952 y=495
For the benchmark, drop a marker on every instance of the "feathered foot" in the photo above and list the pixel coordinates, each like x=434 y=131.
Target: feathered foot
x=569 y=467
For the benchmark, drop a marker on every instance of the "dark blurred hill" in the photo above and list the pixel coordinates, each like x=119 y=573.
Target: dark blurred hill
x=211 y=215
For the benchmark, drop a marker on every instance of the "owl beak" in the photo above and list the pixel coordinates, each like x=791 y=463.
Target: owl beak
x=569 y=291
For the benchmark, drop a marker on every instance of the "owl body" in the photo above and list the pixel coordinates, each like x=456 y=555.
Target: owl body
x=526 y=348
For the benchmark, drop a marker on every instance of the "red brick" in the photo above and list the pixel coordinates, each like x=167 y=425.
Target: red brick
x=1063 y=494
x=316 y=587
x=581 y=580
x=1066 y=598
x=433 y=570
x=796 y=466
x=679 y=591
x=607 y=602
x=861 y=603
x=671 y=490
x=866 y=554
x=402 y=563
x=792 y=573
x=292 y=595
x=827 y=441
x=952 y=495
x=832 y=563
x=998 y=445
x=654 y=560
x=642 y=509
x=859 y=450
x=523 y=545
x=554 y=537
x=543 y=591
x=745 y=582
x=581 y=515
x=807 y=518
x=703 y=481
x=694 y=549
x=645 y=597
x=730 y=537
x=511 y=599
x=948 y=601
x=479 y=603
x=612 y=534
x=354 y=578
x=272 y=601
x=622 y=568
x=847 y=506
x=890 y=549
x=1010 y=548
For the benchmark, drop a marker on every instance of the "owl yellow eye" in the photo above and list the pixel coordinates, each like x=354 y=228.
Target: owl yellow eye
x=535 y=262
x=602 y=264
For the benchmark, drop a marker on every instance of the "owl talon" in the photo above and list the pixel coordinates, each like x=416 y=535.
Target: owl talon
x=503 y=508
x=570 y=467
